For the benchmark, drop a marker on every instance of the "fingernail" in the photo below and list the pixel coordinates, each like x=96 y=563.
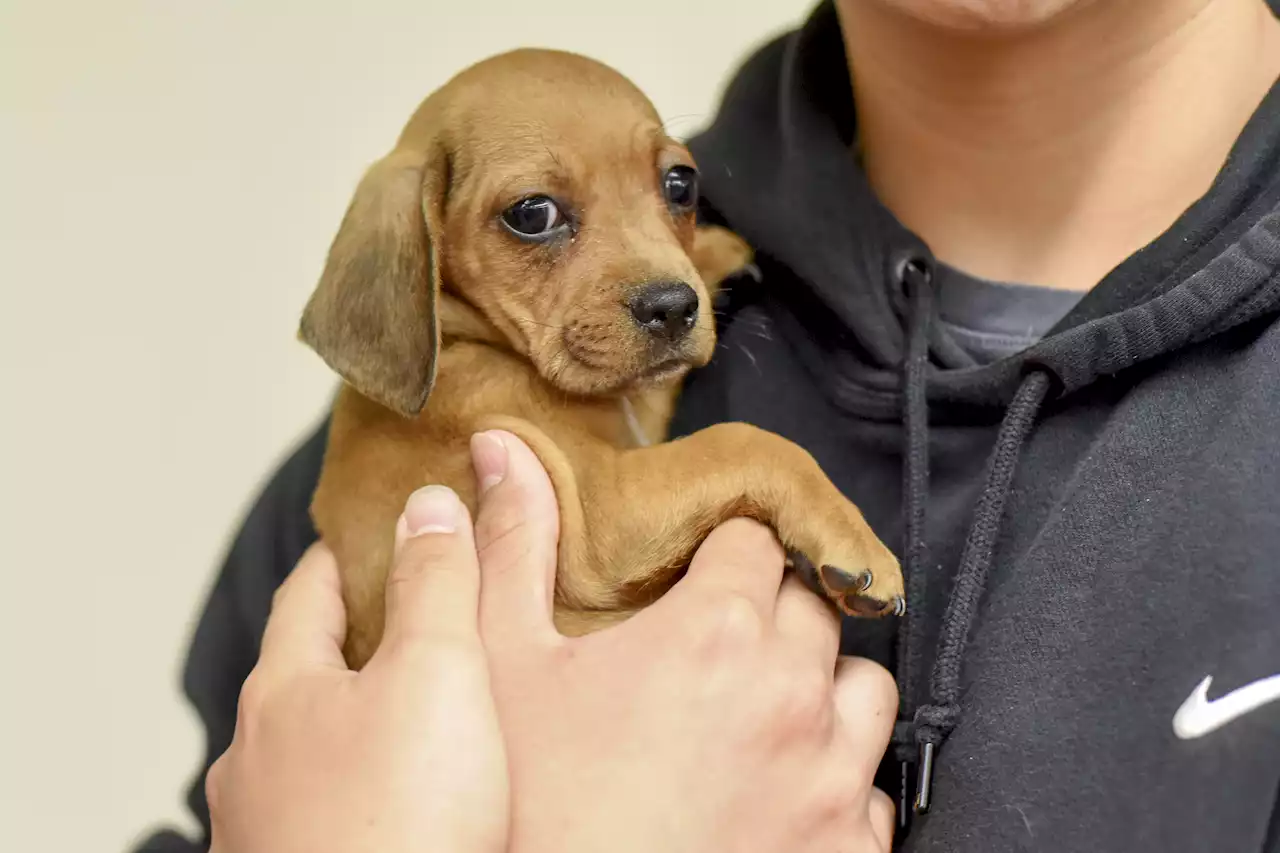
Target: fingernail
x=432 y=509
x=489 y=455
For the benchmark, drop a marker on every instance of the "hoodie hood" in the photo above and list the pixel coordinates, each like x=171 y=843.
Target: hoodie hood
x=863 y=286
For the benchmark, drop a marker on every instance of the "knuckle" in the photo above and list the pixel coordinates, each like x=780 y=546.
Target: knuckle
x=871 y=681
x=401 y=575
x=744 y=543
x=281 y=593
x=805 y=701
x=510 y=539
x=881 y=812
x=884 y=686
x=727 y=626
x=423 y=552
x=424 y=560
x=500 y=532
x=748 y=534
x=836 y=800
x=760 y=543
x=252 y=696
x=213 y=784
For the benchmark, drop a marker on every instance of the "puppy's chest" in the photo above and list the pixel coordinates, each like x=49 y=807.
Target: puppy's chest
x=477 y=382
x=629 y=421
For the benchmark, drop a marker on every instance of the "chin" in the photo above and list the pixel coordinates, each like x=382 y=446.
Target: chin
x=982 y=16
x=660 y=376
x=590 y=380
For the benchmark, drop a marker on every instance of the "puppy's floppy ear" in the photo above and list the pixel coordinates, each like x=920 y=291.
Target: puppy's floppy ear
x=372 y=317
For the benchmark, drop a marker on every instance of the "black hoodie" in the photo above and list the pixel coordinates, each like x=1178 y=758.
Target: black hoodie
x=1094 y=523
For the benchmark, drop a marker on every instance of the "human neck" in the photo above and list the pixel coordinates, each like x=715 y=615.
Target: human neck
x=1049 y=156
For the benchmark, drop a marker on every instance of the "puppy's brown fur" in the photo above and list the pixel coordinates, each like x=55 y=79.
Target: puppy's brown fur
x=427 y=294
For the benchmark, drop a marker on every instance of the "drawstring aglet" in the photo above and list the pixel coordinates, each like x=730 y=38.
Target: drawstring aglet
x=924 y=779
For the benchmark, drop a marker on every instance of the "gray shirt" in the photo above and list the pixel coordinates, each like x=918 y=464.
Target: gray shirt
x=992 y=319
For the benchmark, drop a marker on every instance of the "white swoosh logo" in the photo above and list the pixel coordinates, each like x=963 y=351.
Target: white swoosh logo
x=1198 y=716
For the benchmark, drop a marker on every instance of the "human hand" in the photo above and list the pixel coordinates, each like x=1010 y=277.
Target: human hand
x=711 y=721
x=405 y=754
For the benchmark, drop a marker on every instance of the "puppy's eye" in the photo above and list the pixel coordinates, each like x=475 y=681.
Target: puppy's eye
x=680 y=186
x=534 y=218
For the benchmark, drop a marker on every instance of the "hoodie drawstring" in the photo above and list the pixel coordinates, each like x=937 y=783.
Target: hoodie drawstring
x=915 y=278
x=919 y=734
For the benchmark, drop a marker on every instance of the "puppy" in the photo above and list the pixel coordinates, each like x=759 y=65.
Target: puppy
x=527 y=258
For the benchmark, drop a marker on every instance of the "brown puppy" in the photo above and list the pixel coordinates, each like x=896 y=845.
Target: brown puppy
x=527 y=258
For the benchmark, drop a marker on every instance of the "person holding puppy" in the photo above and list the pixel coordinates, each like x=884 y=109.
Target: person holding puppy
x=410 y=753
x=1021 y=275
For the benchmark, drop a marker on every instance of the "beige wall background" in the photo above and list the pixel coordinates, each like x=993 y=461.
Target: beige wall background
x=172 y=174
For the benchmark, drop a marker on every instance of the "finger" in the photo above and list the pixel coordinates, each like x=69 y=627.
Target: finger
x=517 y=534
x=881 y=814
x=807 y=622
x=866 y=704
x=308 y=622
x=740 y=557
x=433 y=590
x=213 y=787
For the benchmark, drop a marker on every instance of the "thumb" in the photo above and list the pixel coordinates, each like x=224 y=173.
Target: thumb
x=517 y=533
x=433 y=589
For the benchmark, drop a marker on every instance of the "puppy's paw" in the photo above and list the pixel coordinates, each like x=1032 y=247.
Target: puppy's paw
x=718 y=254
x=852 y=569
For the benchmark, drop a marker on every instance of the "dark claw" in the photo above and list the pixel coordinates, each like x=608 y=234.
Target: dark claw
x=843 y=589
x=865 y=605
x=840 y=581
x=804 y=570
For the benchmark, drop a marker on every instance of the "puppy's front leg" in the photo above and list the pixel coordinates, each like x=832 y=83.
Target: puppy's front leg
x=648 y=511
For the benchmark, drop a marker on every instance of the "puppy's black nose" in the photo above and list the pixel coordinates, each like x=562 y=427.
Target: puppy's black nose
x=667 y=309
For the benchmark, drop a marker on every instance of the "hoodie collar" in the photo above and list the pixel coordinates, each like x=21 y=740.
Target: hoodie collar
x=797 y=194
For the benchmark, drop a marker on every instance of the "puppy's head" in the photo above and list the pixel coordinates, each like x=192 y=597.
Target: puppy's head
x=540 y=188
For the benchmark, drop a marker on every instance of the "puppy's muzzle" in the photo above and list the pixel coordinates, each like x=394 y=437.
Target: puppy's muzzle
x=667 y=310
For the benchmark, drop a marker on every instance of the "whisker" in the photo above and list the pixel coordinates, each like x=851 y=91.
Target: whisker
x=551 y=154
x=531 y=322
